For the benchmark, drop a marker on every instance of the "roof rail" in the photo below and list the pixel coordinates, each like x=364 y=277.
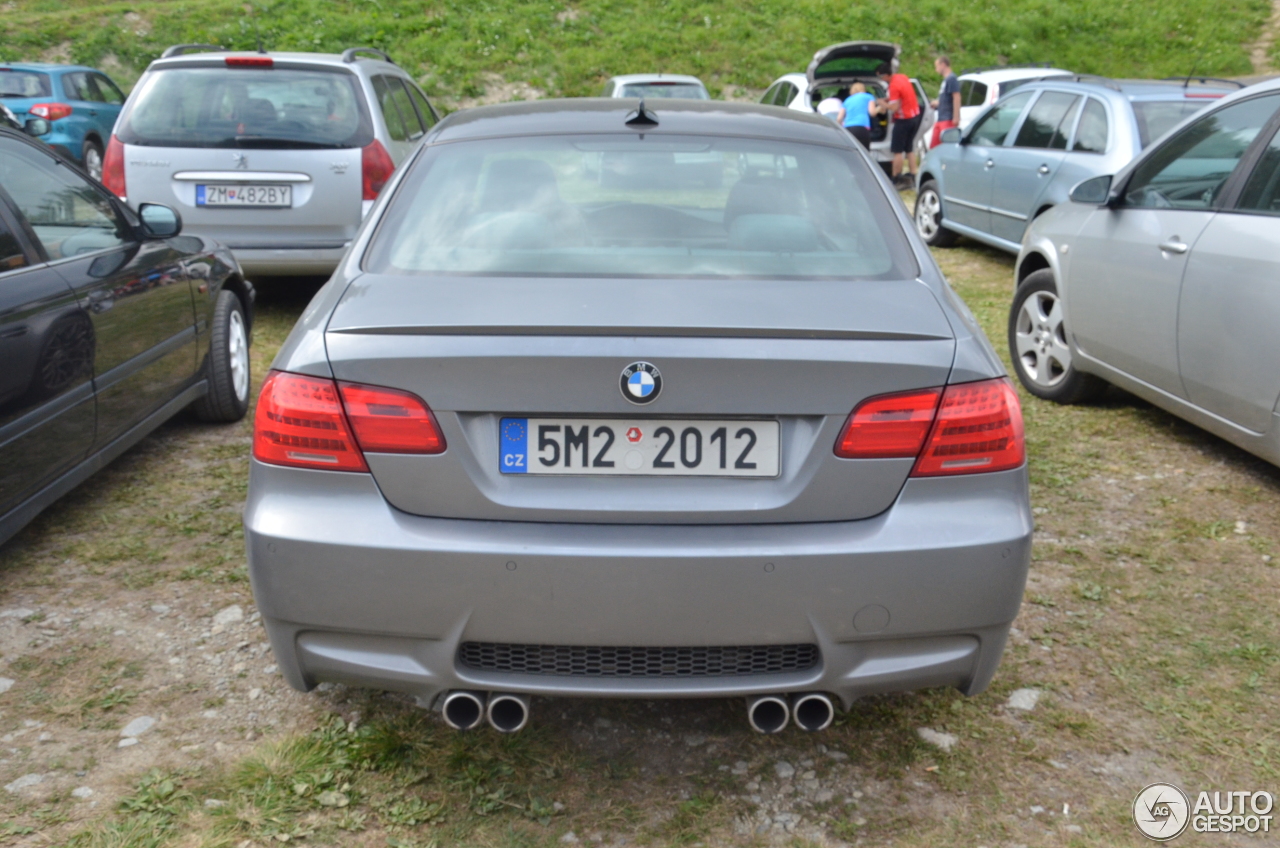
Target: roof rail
x=1186 y=81
x=1006 y=67
x=182 y=49
x=1096 y=79
x=349 y=55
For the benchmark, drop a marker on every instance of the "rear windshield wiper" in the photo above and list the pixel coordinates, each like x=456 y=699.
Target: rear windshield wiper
x=269 y=141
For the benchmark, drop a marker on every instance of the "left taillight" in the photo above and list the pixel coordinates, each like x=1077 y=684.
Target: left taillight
x=113 y=169
x=315 y=422
x=50 y=111
x=376 y=168
x=964 y=428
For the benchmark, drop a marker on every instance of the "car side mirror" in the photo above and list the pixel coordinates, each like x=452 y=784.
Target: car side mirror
x=159 y=222
x=951 y=135
x=1096 y=191
x=36 y=127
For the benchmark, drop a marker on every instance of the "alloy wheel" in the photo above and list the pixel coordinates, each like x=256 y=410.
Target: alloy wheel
x=238 y=355
x=1041 y=341
x=93 y=163
x=928 y=210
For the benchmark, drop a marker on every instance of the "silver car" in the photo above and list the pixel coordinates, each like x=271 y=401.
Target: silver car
x=1023 y=155
x=546 y=435
x=662 y=86
x=276 y=155
x=1163 y=279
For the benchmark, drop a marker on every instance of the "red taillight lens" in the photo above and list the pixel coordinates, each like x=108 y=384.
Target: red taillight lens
x=50 y=111
x=250 y=62
x=978 y=428
x=376 y=168
x=889 y=426
x=390 y=421
x=299 y=422
x=113 y=168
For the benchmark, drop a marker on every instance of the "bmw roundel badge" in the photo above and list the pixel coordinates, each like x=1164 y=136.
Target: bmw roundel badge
x=641 y=382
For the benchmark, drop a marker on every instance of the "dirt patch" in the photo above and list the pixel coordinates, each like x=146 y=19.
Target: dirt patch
x=1260 y=50
x=498 y=90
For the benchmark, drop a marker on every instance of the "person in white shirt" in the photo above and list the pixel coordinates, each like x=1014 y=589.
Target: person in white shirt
x=833 y=106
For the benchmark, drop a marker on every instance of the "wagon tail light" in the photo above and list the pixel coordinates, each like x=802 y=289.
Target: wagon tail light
x=967 y=428
x=50 y=111
x=113 y=168
x=376 y=168
x=250 y=62
x=315 y=422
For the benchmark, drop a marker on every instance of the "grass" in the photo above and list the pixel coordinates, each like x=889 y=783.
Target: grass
x=457 y=49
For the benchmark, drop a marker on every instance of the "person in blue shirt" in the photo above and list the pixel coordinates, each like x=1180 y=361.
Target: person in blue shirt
x=859 y=106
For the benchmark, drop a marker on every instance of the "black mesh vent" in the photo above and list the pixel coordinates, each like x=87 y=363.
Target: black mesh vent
x=594 y=661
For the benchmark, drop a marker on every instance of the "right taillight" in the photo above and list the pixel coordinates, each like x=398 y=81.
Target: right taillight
x=965 y=428
x=113 y=168
x=978 y=428
x=314 y=422
x=376 y=168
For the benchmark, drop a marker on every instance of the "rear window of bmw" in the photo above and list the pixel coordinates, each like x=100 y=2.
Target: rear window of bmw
x=247 y=107
x=651 y=205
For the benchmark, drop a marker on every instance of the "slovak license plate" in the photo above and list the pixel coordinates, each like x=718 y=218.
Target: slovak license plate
x=244 y=195
x=641 y=447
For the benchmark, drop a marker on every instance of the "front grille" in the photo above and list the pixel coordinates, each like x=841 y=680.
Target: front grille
x=599 y=661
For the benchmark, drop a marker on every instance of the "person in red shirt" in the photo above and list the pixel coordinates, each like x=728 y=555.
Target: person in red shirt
x=905 y=107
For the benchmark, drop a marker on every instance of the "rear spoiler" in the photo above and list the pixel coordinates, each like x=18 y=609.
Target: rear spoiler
x=349 y=55
x=1186 y=81
x=183 y=49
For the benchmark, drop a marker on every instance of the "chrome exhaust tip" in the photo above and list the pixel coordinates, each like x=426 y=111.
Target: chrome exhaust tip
x=507 y=712
x=463 y=710
x=768 y=713
x=812 y=711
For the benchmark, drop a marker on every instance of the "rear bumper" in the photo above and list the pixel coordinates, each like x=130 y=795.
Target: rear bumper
x=290 y=260
x=355 y=591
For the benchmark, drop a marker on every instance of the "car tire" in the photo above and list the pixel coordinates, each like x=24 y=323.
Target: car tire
x=91 y=156
x=226 y=366
x=1038 y=344
x=928 y=217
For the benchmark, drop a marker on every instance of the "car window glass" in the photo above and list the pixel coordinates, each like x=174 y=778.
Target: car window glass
x=396 y=127
x=692 y=207
x=106 y=90
x=686 y=90
x=424 y=108
x=11 y=255
x=972 y=93
x=68 y=215
x=1047 y=121
x=995 y=125
x=770 y=95
x=787 y=94
x=1262 y=191
x=24 y=84
x=1091 y=134
x=1157 y=117
x=75 y=86
x=1189 y=169
x=404 y=103
x=246 y=107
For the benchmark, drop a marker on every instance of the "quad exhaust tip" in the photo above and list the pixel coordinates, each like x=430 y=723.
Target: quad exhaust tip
x=508 y=712
x=768 y=713
x=812 y=711
x=464 y=710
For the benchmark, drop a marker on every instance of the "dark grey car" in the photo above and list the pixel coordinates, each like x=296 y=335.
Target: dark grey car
x=1165 y=279
x=645 y=436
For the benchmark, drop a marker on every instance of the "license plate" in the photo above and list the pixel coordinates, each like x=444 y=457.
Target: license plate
x=244 y=195
x=644 y=447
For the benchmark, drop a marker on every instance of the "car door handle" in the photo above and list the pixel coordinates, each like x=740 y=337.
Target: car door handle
x=93 y=112
x=990 y=164
x=1042 y=170
x=1173 y=245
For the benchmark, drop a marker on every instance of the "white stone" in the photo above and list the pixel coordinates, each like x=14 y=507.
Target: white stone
x=569 y=838
x=784 y=770
x=945 y=741
x=22 y=783
x=603 y=724
x=809 y=775
x=160 y=608
x=17 y=612
x=255 y=694
x=824 y=796
x=138 y=726
x=693 y=740
x=81 y=792
x=1023 y=699
x=6 y=683
x=126 y=742
x=838 y=756
x=230 y=615
x=1037 y=810
x=1074 y=828
x=271 y=669
x=209 y=714
x=213 y=803
x=45 y=737
x=557 y=806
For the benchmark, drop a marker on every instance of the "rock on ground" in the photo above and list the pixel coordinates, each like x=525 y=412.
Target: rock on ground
x=22 y=783
x=1023 y=699
x=230 y=615
x=138 y=726
x=945 y=741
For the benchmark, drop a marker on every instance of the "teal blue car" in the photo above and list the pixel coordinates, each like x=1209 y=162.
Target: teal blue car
x=81 y=105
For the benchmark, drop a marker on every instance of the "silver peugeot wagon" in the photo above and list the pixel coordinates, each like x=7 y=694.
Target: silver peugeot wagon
x=276 y=155
x=548 y=433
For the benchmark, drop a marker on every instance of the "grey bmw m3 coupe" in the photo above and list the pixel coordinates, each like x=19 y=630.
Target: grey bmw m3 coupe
x=572 y=419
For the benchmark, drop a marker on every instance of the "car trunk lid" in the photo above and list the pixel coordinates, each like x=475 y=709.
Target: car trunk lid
x=850 y=60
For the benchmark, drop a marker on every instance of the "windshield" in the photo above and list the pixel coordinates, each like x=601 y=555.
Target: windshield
x=1157 y=117
x=688 y=90
x=246 y=107
x=641 y=205
x=24 y=84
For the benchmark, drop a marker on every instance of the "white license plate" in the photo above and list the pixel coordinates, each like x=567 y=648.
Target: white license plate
x=244 y=195
x=644 y=447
